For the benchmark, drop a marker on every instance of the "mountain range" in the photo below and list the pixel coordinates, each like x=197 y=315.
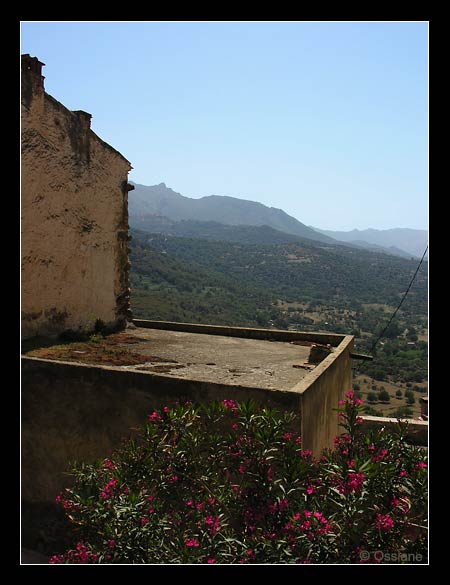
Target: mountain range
x=401 y=241
x=161 y=201
x=159 y=209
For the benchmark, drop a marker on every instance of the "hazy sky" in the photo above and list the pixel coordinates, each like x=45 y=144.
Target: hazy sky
x=326 y=120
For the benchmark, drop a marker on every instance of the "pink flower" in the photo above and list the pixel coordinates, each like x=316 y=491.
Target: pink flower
x=58 y=499
x=250 y=553
x=381 y=455
x=212 y=501
x=109 y=490
x=311 y=489
x=166 y=409
x=403 y=473
x=359 y=420
x=189 y=503
x=350 y=394
x=154 y=417
x=112 y=543
x=151 y=510
x=192 y=542
x=421 y=465
x=241 y=468
x=230 y=405
x=214 y=524
x=174 y=478
x=108 y=464
x=354 y=483
x=371 y=447
x=384 y=522
x=288 y=436
x=211 y=561
x=144 y=520
x=234 y=426
x=306 y=454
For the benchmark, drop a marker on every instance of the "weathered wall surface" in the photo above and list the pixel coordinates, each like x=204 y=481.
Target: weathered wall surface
x=320 y=395
x=74 y=217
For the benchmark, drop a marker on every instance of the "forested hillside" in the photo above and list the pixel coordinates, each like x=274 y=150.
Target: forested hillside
x=288 y=285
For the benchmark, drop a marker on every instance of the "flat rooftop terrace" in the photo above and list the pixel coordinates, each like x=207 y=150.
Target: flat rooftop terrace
x=274 y=365
x=202 y=355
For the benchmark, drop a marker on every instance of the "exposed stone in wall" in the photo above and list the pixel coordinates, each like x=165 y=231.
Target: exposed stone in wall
x=74 y=217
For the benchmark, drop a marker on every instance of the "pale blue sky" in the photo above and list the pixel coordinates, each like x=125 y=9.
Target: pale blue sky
x=326 y=120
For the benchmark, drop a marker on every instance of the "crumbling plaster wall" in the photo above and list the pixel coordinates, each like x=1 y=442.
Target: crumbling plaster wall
x=74 y=196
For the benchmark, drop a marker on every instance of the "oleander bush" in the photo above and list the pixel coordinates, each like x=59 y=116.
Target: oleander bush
x=231 y=483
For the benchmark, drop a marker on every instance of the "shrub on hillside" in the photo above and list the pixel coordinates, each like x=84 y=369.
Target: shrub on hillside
x=231 y=483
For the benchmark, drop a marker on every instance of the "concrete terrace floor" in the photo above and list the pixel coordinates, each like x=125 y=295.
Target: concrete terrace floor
x=228 y=360
x=223 y=359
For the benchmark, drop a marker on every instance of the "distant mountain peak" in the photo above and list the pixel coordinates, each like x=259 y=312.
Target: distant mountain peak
x=160 y=200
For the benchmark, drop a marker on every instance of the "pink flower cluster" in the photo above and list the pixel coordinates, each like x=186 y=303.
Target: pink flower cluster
x=108 y=464
x=381 y=455
x=384 y=522
x=80 y=556
x=353 y=484
x=155 y=417
x=109 y=490
x=67 y=504
x=342 y=443
x=192 y=542
x=310 y=523
x=213 y=522
x=230 y=405
x=351 y=400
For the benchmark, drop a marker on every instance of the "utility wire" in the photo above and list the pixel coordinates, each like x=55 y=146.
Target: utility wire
x=400 y=304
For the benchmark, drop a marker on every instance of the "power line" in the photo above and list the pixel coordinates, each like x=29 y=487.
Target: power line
x=400 y=304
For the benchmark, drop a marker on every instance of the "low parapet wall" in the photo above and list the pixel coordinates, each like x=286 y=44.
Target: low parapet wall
x=333 y=339
x=417 y=432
